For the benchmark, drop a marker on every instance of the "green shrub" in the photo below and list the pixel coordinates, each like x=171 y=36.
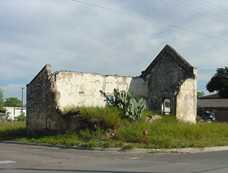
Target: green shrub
x=131 y=106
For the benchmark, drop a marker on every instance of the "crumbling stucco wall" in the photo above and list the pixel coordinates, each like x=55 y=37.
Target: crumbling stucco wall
x=74 y=89
x=186 y=104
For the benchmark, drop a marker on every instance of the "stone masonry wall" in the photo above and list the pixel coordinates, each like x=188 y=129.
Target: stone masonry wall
x=38 y=91
x=42 y=114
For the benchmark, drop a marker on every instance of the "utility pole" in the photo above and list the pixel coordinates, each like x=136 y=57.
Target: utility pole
x=22 y=99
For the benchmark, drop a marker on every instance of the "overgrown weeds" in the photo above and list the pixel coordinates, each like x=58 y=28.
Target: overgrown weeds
x=12 y=130
x=164 y=133
x=96 y=117
x=105 y=118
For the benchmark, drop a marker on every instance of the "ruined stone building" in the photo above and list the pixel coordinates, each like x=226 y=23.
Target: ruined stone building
x=168 y=85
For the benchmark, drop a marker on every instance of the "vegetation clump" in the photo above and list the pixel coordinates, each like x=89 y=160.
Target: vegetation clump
x=132 y=107
x=95 y=117
x=116 y=125
x=12 y=102
x=219 y=82
x=2 y=110
x=166 y=132
x=12 y=130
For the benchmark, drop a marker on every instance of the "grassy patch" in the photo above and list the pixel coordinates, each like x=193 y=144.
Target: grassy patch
x=105 y=118
x=12 y=130
x=84 y=139
x=169 y=133
x=163 y=133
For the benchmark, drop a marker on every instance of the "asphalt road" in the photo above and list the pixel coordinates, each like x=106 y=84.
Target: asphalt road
x=16 y=158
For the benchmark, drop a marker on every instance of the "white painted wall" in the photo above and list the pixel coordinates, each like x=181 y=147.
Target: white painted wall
x=76 y=89
x=187 y=101
x=14 y=112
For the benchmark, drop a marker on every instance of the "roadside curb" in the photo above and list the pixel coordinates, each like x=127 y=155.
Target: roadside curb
x=133 y=150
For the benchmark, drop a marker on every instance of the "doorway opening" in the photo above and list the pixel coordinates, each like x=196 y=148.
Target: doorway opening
x=166 y=106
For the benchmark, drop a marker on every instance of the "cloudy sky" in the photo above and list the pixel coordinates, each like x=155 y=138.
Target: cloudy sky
x=108 y=36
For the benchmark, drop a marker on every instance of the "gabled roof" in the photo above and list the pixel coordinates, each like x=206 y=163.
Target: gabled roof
x=176 y=57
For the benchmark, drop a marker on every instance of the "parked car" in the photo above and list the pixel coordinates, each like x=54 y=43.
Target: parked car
x=208 y=116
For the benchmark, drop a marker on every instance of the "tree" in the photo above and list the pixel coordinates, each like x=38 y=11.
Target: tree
x=12 y=102
x=200 y=93
x=1 y=96
x=219 y=82
x=1 y=101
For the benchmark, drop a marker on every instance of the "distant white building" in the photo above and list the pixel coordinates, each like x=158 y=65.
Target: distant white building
x=13 y=112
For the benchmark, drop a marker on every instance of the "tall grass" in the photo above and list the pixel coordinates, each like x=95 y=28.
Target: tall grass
x=164 y=133
x=96 y=117
x=169 y=133
x=12 y=130
x=108 y=117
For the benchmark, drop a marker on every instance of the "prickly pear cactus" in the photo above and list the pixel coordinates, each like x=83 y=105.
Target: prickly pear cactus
x=130 y=105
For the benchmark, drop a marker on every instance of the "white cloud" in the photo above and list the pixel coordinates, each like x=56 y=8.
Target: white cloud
x=112 y=36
